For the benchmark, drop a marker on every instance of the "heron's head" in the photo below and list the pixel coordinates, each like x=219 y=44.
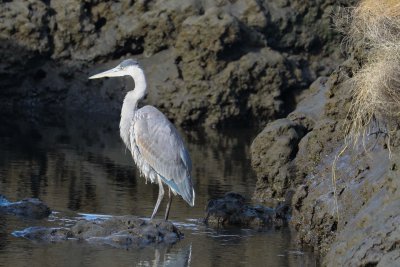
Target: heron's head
x=126 y=67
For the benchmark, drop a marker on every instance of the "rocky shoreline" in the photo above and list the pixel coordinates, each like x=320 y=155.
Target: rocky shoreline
x=334 y=158
x=295 y=158
x=206 y=63
x=274 y=63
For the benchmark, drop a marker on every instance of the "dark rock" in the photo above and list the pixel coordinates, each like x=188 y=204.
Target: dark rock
x=207 y=62
x=120 y=232
x=43 y=234
x=29 y=207
x=233 y=210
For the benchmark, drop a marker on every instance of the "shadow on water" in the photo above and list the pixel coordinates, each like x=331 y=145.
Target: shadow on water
x=76 y=162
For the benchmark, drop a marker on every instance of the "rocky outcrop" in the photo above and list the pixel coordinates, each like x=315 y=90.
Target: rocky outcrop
x=274 y=163
x=28 y=207
x=119 y=232
x=232 y=210
x=274 y=152
x=351 y=217
x=207 y=62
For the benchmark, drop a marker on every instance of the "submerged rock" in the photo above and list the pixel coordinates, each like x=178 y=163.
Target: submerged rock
x=45 y=234
x=28 y=207
x=233 y=210
x=120 y=232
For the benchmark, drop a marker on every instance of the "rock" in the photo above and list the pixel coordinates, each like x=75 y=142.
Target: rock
x=273 y=162
x=207 y=62
x=44 y=234
x=3 y=201
x=366 y=226
x=391 y=259
x=274 y=152
x=29 y=207
x=351 y=218
x=27 y=22
x=119 y=232
x=233 y=210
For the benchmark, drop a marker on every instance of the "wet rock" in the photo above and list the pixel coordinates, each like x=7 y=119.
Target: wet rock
x=44 y=234
x=274 y=150
x=273 y=163
x=120 y=232
x=207 y=62
x=29 y=207
x=351 y=218
x=390 y=259
x=233 y=210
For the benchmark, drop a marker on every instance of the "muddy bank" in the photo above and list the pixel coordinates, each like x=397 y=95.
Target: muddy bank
x=293 y=158
x=206 y=62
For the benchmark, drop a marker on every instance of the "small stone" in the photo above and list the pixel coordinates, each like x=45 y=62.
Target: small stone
x=29 y=207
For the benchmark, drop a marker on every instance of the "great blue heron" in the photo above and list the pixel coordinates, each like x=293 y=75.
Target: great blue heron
x=155 y=144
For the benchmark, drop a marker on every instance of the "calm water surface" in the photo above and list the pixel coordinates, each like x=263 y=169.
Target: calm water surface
x=78 y=165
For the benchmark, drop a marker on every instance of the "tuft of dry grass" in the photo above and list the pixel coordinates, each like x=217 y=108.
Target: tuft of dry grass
x=376 y=23
x=375 y=91
x=370 y=24
x=374 y=27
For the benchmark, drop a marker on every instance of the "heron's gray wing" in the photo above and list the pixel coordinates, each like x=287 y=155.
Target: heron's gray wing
x=161 y=146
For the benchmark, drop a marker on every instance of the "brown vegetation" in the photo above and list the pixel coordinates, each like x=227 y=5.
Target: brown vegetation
x=375 y=27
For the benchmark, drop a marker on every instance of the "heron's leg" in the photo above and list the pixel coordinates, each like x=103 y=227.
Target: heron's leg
x=160 y=196
x=169 y=204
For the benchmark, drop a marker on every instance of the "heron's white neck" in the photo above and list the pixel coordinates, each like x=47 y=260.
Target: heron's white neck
x=131 y=100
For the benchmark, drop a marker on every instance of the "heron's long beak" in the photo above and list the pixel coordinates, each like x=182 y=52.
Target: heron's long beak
x=115 y=72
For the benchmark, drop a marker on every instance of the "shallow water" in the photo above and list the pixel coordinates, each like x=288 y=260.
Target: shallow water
x=79 y=167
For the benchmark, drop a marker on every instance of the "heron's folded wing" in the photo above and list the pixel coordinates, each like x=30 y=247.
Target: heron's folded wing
x=163 y=149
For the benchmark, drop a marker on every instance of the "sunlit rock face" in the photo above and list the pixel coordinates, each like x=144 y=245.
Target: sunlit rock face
x=207 y=62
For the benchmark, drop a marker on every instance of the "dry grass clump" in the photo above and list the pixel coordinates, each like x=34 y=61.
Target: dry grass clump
x=376 y=92
x=373 y=26
x=375 y=23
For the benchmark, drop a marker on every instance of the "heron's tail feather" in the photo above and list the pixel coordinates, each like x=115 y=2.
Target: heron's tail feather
x=183 y=187
x=186 y=190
